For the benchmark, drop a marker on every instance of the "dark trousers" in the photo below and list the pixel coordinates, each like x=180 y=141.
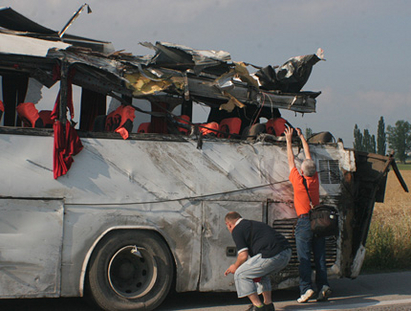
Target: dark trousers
x=306 y=244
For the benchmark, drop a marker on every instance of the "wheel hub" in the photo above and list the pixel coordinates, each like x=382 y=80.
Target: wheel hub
x=132 y=272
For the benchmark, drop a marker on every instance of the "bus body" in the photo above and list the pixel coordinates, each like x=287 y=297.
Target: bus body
x=170 y=189
x=133 y=217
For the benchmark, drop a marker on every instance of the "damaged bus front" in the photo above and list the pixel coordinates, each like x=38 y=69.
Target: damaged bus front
x=117 y=187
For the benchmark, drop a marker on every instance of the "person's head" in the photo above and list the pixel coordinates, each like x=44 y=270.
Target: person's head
x=230 y=220
x=308 y=167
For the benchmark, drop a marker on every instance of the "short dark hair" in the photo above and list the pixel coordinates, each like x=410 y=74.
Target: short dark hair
x=232 y=216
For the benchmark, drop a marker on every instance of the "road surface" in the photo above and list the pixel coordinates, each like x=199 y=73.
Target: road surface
x=387 y=291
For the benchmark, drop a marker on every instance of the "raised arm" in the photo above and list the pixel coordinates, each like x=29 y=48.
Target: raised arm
x=305 y=144
x=290 y=155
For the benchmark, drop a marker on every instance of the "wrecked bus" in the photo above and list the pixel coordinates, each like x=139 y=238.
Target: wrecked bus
x=129 y=200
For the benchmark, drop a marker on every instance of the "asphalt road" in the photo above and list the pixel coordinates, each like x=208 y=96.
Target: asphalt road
x=388 y=291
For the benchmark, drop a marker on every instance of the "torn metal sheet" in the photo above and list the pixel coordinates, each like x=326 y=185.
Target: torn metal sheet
x=145 y=79
x=175 y=55
x=12 y=44
x=14 y=22
x=142 y=85
x=203 y=87
x=242 y=72
x=231 y=104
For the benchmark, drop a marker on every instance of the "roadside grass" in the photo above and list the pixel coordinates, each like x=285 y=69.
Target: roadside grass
x=404 y=166
x=388 y=246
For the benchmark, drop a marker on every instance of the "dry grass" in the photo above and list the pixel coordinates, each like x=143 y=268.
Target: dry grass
x=389 y=239
x=397 y=202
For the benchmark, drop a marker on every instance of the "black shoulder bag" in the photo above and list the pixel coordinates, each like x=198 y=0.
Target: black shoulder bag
x=323 y=218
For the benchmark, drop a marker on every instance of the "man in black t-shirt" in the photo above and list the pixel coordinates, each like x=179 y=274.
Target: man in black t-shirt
x=261 y=251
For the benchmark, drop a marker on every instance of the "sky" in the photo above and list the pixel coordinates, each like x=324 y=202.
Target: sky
x=366 y=43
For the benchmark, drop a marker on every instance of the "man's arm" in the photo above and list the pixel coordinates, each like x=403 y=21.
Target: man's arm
x=290 y=155
x=241 y=258
x=305 y=144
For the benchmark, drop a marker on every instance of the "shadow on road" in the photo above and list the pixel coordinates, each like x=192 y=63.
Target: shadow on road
x=368 y=292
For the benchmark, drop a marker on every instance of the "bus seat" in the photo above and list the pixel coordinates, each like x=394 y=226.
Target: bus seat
x=229 y=126
x=144 y=127
x=185 y=120
x=209 y=129
x=45 y=116
x=1 y=109
x=120 y=121
x=251 y=132
x=275 y=126
x=29 y=115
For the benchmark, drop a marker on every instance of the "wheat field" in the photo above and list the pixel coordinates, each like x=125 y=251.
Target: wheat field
x=389 y=239
x=397 y=203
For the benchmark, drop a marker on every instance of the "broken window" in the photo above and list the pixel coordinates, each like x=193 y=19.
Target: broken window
x=329 y=171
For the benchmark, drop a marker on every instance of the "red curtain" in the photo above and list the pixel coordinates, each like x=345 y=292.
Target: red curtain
x=67 y=144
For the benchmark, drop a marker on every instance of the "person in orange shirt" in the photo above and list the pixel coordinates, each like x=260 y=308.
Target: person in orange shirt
x=306 y=242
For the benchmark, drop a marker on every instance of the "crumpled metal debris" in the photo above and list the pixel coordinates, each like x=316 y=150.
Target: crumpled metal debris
x=207 y=76
x=142 y=85
x=292 y=75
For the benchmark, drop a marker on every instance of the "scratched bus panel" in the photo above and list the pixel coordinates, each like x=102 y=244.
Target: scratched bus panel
x=31 y=240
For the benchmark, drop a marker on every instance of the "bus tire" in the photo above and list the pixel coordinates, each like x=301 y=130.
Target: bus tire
x=130 y=270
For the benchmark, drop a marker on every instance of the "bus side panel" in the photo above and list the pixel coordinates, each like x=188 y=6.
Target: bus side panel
x=30 y=248
x=178 y=222
x=218 y=251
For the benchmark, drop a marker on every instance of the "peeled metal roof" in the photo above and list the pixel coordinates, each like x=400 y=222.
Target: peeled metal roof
x=12 y=44
x=14 y=23
x=13 y=20
x=204 y=75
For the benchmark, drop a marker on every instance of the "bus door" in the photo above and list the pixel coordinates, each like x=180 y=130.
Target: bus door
x=218 y=248
x=30 y=247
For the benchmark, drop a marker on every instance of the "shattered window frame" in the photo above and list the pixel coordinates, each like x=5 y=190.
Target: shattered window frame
x=329 y=172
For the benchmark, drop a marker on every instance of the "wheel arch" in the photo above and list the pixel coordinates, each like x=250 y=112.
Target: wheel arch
x=113 y=230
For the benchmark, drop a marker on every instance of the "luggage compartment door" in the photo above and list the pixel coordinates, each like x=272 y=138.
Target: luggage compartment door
x=218 y=248
x=30 y=247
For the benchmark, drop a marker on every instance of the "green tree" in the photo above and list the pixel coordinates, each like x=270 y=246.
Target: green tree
x=308 y=132
x=399 y=139
x=366 y=141
x=381 y=137
x=358 y=145
x=373 y=147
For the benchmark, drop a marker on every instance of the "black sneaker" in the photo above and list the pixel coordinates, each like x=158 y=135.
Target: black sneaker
x=269 y=307
x=255 y=308
x=325 y=292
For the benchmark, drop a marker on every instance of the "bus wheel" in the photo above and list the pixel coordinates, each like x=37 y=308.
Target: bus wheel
x=130 y=270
